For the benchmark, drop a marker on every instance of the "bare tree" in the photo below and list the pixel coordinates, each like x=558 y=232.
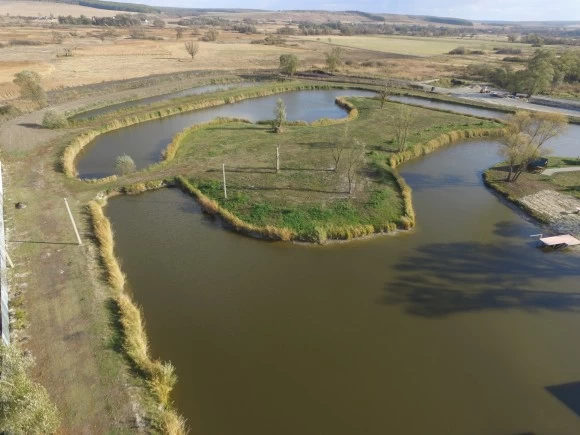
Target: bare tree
x=279 y=116
x=355 y=160
x=528 y=133
x=384 y=95
x=339 y=146
x=211 y=35
x=179 y=33
x=192 y=48
x=402 y=122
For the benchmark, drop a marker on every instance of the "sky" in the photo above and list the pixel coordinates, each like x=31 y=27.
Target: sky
x=506 y=10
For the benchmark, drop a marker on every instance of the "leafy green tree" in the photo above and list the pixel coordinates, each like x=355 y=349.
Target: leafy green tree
x=288 y=64
x=124 y=165
x=30 y=87
x=279 y=116
x=25 y=407
x=528 y=133
x=334 y=59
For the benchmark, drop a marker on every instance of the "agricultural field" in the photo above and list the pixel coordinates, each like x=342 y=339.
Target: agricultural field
x=412 y=46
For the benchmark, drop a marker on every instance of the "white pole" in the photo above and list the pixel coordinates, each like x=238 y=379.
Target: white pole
x=225 y=188
x=277 y=158
x=73 y=222
x=7 y=257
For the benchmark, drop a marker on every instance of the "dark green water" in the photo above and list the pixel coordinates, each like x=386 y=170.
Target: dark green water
x=460 y=327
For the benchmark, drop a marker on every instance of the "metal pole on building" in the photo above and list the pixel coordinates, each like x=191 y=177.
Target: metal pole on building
x=225 y=188
x=73 y=222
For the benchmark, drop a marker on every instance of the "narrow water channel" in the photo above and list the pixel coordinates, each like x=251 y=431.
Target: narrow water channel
x=156 y=98
x=460 y=327
x=144 y=142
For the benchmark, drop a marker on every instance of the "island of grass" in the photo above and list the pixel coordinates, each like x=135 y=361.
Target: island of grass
x=308 y=198
x=551 y=196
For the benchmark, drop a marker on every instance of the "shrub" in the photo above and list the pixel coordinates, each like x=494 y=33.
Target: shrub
x=26 y=405
x=508 y=50
x=53 y=120
x=458 y=50
x=30 y=87
x=124 y=165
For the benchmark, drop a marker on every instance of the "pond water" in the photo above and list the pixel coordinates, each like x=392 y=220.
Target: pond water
x=460 y=327
x=145 y=141
x=156 y=98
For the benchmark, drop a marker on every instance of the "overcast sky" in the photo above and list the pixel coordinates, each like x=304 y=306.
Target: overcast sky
x=517 y=10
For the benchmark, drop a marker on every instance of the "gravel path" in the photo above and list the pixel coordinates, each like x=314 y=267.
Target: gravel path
x=553 y=171
x=560 y=209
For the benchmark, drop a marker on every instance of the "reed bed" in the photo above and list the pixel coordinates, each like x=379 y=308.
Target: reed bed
x=211 y=206
x=422 y=149
x=160 y=376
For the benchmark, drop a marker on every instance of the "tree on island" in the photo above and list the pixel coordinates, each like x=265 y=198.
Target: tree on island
x=355 y=160
x=384 y=95
x=527 y=135
x=279 y=116
x=339 y=146
x=402 y=122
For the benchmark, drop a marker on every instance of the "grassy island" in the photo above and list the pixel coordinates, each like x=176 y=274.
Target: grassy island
x=307 y=197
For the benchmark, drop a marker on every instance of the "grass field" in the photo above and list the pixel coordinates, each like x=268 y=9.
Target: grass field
x=307 y=194
x=412 y=46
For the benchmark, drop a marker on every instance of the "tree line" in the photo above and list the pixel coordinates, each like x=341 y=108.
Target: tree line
x=544 y=72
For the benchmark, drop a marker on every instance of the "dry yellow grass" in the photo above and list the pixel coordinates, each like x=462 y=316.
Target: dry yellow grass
x=95 y=61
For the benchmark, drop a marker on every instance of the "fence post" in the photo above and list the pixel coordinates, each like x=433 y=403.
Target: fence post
x=73 y=222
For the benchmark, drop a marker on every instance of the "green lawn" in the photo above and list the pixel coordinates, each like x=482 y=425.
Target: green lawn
x=307 y=194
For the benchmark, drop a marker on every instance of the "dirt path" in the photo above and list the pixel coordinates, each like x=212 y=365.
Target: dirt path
x=552 y=171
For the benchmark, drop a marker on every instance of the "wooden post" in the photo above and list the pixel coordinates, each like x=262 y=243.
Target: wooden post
x=73 y=222
x=224 y=174
x=277 y=158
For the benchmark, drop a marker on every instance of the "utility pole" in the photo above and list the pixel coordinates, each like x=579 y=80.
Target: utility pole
x=73 y=222
x=277 y=158
x=224 y=174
